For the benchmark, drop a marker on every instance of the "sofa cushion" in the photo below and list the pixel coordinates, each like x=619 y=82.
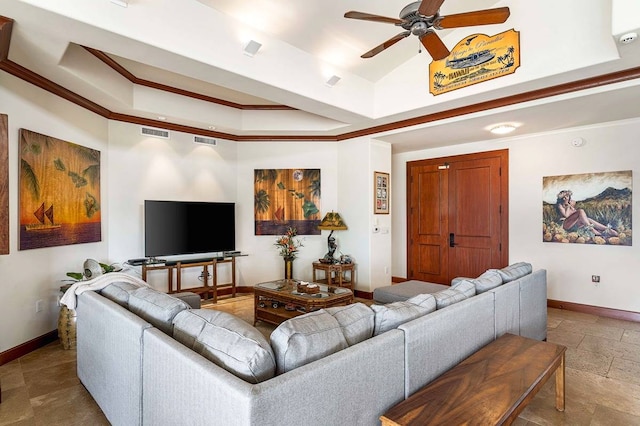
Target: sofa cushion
x=119 y=292
x=392 y=315
x=156 y=307
x=448 y=297
x=489 y=280
x=466 y=287
x=227 y=341
x=191 y=299
x=356 y=321
x=424 y=300
x=515 y=271
x=304 y=339
x=403 y=291
x=456 y=280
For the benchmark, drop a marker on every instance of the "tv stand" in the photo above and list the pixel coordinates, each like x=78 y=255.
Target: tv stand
x=205 y=290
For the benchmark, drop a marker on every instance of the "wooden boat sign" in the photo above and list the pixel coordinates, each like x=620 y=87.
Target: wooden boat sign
x=475 y=59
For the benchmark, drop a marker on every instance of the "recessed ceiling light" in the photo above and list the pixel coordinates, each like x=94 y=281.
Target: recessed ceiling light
x=123 y=3
x=212 y=127
x=502 y=129
x=162 y=117
x=333 y=80
x=251 y=48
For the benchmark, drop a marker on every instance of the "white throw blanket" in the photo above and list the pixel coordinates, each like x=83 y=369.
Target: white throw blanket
x=98 y=283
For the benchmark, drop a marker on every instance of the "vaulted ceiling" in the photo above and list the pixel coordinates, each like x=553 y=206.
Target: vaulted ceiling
x=180 y=65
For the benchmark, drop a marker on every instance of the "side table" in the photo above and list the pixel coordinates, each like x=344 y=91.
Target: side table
x=335 y=274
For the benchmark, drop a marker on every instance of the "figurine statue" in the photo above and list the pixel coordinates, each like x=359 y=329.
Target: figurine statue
x=332 y=246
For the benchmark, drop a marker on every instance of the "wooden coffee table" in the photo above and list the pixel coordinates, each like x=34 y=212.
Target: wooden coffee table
x=281 y=293
x=491 y=387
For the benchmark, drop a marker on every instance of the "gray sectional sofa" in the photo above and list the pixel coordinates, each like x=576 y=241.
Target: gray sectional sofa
x=148 y=358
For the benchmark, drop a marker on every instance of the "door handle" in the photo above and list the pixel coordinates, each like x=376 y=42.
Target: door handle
x=452 y=240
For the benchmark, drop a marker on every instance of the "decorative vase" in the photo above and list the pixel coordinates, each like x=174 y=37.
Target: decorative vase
x=288 y=268
x=67 y=327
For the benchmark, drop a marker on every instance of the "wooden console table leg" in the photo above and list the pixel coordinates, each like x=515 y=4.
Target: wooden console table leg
x=233 y=277
x=560 y=385
x=178 y=277
x=214 y=280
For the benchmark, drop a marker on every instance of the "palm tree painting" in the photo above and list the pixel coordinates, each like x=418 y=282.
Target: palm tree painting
x=287 y=198
x=4 y=184
x=59 y=192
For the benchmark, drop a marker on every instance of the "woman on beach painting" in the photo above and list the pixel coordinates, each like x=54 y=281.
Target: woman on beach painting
x=595 y=210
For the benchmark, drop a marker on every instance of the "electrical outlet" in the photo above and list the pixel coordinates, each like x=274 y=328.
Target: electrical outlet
x=595 y=278
x=39 y=305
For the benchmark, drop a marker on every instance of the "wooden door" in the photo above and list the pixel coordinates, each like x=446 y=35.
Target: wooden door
x=457 y=218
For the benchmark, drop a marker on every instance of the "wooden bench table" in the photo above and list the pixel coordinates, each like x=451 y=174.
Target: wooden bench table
x=491 y=387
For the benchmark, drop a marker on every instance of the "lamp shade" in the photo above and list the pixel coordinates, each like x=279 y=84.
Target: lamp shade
x=332 y=222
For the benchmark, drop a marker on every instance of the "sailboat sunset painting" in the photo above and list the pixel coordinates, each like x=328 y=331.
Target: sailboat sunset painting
x=59 y=192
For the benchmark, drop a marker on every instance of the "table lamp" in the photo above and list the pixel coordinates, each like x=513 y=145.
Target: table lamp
x=331 y=222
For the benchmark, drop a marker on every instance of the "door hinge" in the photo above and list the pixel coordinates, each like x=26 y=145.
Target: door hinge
x=499 y=171
x=500 y=247
x=500 y=209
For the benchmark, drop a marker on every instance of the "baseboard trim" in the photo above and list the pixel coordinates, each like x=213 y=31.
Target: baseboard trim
x=30 y=346
x=363 y=294
x=595 y=310
x=396 y=280
x=227 y=291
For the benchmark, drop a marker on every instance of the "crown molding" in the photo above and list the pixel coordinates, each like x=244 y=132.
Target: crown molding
x=113 y=64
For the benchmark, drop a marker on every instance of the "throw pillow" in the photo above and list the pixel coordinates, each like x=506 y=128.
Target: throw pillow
x=304 y=339
x=466 y=287
x=227 y=341
x=356 y=321
x=448 y=297
x=515 y=271
x=119 y=292
x=392 y=315
x=156 y=307
x=490 y=279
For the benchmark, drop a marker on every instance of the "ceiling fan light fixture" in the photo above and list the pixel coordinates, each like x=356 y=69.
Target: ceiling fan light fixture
x=502 y=129
x=333 y=80
x=251 y=48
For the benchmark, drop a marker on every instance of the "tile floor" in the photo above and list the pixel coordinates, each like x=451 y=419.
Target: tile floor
x=602 y=377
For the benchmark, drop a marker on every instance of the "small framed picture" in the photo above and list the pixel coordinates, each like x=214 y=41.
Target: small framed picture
x=381 y=193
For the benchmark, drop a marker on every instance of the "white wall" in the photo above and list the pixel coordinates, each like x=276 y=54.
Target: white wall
x=30 y=275
x=608 y=147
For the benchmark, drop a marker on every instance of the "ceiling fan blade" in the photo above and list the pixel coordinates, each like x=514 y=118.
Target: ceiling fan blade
x=375 y=18
x=434 y=46
x=429 y=7
x=469 y=19
x=388 y=43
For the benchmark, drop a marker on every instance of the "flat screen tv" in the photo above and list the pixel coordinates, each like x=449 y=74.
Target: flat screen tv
x=188 y=227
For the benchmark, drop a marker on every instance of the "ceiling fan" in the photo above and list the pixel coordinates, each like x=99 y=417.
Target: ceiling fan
x=420 y=18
